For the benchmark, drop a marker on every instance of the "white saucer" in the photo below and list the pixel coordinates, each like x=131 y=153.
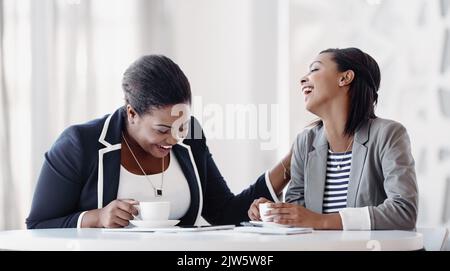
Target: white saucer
x=269 y=224
x=153 y=223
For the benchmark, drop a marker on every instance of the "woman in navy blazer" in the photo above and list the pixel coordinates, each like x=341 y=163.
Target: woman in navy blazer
x=79 y=180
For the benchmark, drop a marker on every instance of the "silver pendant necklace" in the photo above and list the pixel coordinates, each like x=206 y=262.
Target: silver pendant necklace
x=340 y=162
x=158 y=191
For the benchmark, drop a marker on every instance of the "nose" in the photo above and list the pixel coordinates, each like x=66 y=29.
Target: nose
x=303 y=80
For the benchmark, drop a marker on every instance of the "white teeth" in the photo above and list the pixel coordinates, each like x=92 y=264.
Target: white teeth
x=307 y=90
x=165 y=147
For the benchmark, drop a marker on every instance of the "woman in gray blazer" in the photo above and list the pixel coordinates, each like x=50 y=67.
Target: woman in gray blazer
x=351 y=170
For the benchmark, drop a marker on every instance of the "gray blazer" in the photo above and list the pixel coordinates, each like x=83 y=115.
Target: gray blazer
x=382 y=174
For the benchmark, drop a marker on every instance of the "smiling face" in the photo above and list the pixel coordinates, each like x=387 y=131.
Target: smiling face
x=322 y=86
x=157 y=131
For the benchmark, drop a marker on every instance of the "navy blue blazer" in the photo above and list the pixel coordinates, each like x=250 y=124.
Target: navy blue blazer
x=81 y=172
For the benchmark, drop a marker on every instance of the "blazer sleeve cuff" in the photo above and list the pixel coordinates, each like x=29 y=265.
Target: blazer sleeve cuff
x=355 y=219
x=275 y=198
x=80 y=218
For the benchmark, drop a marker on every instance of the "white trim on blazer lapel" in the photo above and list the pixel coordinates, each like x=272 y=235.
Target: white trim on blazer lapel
x=200 y=192
x=101 y=152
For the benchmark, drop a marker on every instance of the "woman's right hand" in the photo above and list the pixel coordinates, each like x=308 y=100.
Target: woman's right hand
x=253 y=211
x=117 y=213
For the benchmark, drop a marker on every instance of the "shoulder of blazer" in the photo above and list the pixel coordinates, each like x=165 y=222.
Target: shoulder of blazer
x=88 y=134
x=384 y=124
x=310 y=138
x=80 y=142
x=75 y=148
x=383 y=129
x=374 y=130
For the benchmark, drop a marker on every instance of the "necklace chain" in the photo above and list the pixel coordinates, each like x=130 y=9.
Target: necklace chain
x=158 y=192
x=339 y=164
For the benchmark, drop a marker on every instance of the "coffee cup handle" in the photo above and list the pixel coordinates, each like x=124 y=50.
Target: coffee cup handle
x=138 y=216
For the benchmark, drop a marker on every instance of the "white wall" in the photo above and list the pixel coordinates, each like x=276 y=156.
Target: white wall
x=228 y=50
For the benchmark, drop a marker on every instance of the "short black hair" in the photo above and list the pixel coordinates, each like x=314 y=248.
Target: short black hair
x=364 y=87
x=155 y=81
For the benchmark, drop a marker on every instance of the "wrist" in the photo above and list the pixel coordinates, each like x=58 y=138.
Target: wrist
x=330 y=222
x=91 y=219
x=97 y=220
x=321 y=222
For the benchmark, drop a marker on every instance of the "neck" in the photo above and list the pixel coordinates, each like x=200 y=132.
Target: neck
x=134 y=145
x=137 y=160
x=334 y=122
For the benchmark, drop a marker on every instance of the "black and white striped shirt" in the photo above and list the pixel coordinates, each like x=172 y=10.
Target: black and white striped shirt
x=336 y=184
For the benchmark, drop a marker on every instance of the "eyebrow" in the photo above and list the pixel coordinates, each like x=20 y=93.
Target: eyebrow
x=317 y=61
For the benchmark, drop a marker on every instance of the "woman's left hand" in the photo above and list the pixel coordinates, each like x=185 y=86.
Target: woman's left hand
x=253 y=211
x=295 y=215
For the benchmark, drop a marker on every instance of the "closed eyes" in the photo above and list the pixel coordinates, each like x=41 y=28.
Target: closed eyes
x=181 y=130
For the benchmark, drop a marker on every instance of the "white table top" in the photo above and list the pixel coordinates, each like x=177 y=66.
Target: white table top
x=223 y=240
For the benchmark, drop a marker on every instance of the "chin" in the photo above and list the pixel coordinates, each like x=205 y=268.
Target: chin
x=309 y=107
x=155 y=151
x=313 y=105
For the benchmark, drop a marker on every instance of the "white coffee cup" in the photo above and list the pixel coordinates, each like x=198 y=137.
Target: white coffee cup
x=153 y=210
x=263 y=208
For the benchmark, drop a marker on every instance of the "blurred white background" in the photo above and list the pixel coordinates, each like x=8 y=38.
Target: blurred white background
x=61 y=62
